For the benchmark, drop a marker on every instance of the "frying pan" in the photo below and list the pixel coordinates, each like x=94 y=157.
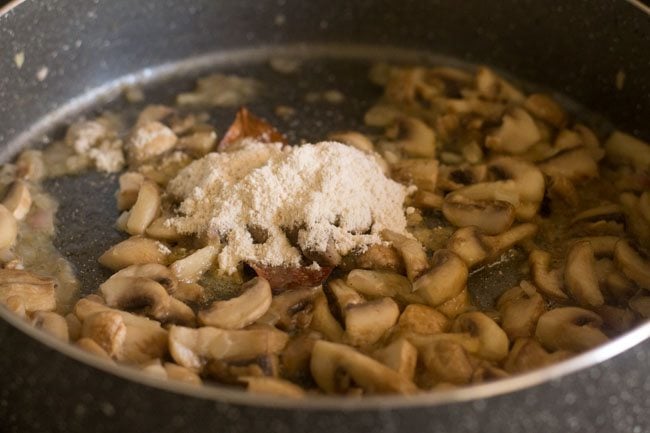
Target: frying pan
x=90 y=49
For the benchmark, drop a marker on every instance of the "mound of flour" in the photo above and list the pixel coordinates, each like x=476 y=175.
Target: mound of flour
x=329 y=191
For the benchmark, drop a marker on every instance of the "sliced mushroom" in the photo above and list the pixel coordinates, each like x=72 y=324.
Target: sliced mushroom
x=182 y=374
x=574 y=164
x=580 y=275
x=570 y=328
x=367 y=323
x=607 y=212
x=134 y=251
x=549 y=282
x=153 y=271
x=380 y=257
x=192 y=348
x=354 y=139
x=544 y=107
x=127 y=195
x=527 y=354
x=493 y=341
x=107 y=329
x=427 y=200
x=329 y=360
x=52 y=323
x=148 y=140
x=199 y=143
x=74 y=326
x=377 y=284
x=644 y=205
x=602 y=245
x=145 y=209
x=415 y=138
x=420 y=172
x=241 y=311
x=615 y=319
x=641 y=305
x=451 y=178
x=192 y=267
x=381 y=115
x=447 y=361
x=492 y=86
x=323 y=321
x=632 y=264
x=137 y=293
x=412 y=252
x=517 y=133
x=190 y=292
x=491 y=217
x=145 y=339
x=90 y=346
x=289 y=310
x=623 y=148
x=8 y=228
x=475 y=248
x=421 y=319
x=272 y=386
x=400 y=356
x=563 y=189
x=35 y=293
x=520 y=308
x=160 y=229
x=446 y=278
x=456 y=305
x=18 y=200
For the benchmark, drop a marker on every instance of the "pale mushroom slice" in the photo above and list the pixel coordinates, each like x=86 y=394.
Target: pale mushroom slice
x=602 y=245
x=330 y=360
x=192 y=267
x=622 y=148
x=137 y=293
x=18 y=199
x=446 y=278
x=517 y=133
x=520 y=308
x=476 y=248
x=400 y=355
x=145 y=209
x=148 y=140
x=127 y=194
x=570 y=328
x=182 y=374
x=412 y=252
x=163 y=230
x=343 y=296
x=52 y=323
x=355 y=139
x=574 y=164
x=145 y=338
x=490 y=216
x=414 y=137
x=272 y=386
x=549 y=282
x=107 y=329
x=632 y=263
x=90 y=346
x=493 y=341
x=377 y=284
x=241 y=311
x=492 y=86
x=580 y=275
x=153 y=271
x=323 y=320
x=136 y=250
x=8 y=228
x=193 y=348
x=367 y=323
x=35 y=293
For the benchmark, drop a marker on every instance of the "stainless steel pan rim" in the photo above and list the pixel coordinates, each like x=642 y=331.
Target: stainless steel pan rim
x=240 y=397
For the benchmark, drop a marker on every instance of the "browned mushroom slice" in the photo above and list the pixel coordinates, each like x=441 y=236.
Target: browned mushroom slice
x=272 y=386
x=492 y=86
x=330 y=360
x=623 y=148
x=400 y=356
x=493 y=341
x=18 y=199
x=90 y=346
x=422 y=173
x=616 y=320
x=192 y=348
x=447 y=361
x=517 y=133
x=520 y=308
x=563 y=189
x=602 y=245
x=145 y=339
x=412 y=252
x=8 y=228
x=574 y=164
x=291 y=310
x=368 y=322
x=580 y=275
x=35 y=293
x=641 y=305
x=451 y=178
x=549 y=282
x=456 y=305
x=446 y=278
x=570 y=328
x=377 y=284
x=475 y=248
x=241 y=311
x=107 y=329
x=137 y=293
x=422 y=319
x=632 y=263
x=379 y=257
x=527 y=354
x=491 y=217
x=544 y=107
x=247 y=125
x=52 y=323
x=134 y=251
x=414 y=137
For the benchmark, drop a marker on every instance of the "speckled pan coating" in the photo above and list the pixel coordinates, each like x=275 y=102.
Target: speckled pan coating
x=576 y=48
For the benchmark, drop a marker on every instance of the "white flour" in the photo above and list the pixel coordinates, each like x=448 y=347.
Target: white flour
x=329 y=190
